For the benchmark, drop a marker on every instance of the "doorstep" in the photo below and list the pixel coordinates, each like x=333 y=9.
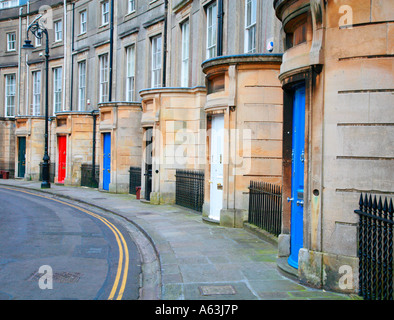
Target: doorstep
x=210 y=221
x=287 y=269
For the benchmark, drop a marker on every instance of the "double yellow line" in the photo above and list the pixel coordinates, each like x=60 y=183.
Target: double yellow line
x=123 y=250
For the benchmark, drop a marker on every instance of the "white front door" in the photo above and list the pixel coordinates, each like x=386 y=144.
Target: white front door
x=216 y=181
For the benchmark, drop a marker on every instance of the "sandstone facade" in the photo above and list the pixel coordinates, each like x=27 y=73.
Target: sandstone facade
x=158 y=79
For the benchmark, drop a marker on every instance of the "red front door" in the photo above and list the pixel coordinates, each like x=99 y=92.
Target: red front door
x=62 y=145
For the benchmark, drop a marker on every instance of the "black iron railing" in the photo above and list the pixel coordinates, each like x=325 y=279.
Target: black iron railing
x=88 y=177
x=190 y=189
x=375 y=248
x=134 y=180
x=265 y=206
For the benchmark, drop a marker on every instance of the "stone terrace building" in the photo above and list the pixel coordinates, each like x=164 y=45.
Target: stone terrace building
x=204 y=85
x=337 y=69
x=127 y=89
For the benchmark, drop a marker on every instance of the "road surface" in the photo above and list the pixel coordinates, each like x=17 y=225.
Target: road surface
x=56 y=249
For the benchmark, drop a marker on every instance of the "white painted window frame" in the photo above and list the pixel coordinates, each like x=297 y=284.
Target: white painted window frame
x=57 y=89
x=82 y=85
x=130 y=73
x=211 y=30
x=36 y=83
x=11 y=41
x=10 y=94
x=250 y=26
x=156 y=61
x=103 y=91
x=185 y=53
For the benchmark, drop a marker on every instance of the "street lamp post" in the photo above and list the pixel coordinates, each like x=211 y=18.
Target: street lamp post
x=39 y=31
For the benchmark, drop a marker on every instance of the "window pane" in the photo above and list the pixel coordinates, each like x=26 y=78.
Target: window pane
x=57 y=89
x=130 y=60
x=248 y=13
x=211 y=31
x=103 y=78
x=250 y=26
x=58 y=31
x=156 y=61
x=11 y=39
x=10 y=89
x=82 y=86
x=36 y=93
x=83 y=22
x=104 y=12
x=254 y=12
x=131 y=6
x=185 y=55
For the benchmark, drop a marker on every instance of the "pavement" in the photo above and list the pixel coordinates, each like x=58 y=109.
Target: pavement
x=186 y=258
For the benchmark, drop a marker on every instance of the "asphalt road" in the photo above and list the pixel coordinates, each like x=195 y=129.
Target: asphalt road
x=53 y=249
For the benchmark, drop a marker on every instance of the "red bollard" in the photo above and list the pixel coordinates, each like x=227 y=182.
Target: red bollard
x=138 y=189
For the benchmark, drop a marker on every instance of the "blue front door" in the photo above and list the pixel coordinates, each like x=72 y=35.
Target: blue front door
x=297 y=178
x=106 y=160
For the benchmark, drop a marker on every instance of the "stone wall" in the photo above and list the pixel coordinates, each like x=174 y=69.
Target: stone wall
x=178 y=135
x=7 y=146
x=251 y=101
x=123 y=121
x=346 y=63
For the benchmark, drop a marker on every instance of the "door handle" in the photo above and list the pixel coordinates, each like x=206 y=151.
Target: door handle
x=290 y=199
x=300 y=203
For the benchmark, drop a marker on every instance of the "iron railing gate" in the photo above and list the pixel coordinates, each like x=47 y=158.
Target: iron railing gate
x=375 y=248
x=265 y=206
x=189 y=189
x=134 y=180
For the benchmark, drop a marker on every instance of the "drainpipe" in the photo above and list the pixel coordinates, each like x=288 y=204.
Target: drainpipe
x=94 y=147
x=65 y=52
x=72 y=59
x=27 y=66
x=19 y=59
x=165 y=43
x=220 y=28
x=111 y=49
